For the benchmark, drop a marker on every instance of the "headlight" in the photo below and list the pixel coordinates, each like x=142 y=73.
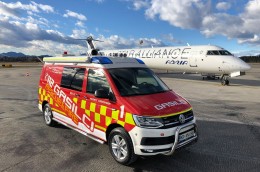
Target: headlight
x=148 y=122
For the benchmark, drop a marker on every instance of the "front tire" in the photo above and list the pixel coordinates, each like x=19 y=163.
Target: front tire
x=121 y=146
x=47 y=115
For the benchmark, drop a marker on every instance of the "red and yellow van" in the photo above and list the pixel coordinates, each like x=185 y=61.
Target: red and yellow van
x=116 y=100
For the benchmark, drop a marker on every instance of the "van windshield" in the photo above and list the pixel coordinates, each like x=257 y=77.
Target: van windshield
x=136 y=81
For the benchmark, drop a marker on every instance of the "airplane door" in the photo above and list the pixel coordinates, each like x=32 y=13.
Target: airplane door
x=193 y=58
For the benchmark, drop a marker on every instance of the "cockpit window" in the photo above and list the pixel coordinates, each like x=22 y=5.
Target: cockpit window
x=219 y=52
x=225 y=52
x=213 y=52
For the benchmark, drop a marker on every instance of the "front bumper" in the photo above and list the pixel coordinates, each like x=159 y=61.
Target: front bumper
x=162 y=141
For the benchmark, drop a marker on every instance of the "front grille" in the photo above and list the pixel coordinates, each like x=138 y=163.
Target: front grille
x=151 y=141
x=156 y=150
x=172 y=121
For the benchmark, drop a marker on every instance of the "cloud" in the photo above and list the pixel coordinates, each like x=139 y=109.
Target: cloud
x=79 y=34
x=75 y=15
x=242 y=27
x=31 y=39
x=32 y=6
x=186 y=14
x=170 y=38
x=21 y=28
x=99 y=1
x=17 y=34
x=223 y=6
x=253 y=52
x=118 y=42
x=138 y=4
x=45 y=8
x=17 y=11
x=80 y=24
x=199 y=15
x=5 y=10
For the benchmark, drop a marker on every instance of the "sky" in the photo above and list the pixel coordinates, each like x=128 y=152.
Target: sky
x=51 y=27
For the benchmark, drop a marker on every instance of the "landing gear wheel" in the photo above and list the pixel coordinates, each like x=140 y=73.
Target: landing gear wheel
x=121 y=146
x=227 y=82
x=47 y=115
x=224 y=80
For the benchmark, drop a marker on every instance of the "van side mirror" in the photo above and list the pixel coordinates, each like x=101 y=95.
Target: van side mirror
x=100 y=93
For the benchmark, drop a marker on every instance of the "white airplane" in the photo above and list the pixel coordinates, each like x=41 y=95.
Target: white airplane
x=205 y=59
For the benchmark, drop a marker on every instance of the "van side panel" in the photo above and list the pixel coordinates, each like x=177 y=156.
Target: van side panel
x=81 y=111
x=46 y=82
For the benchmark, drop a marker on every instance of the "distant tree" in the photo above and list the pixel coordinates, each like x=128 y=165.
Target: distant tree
x=22 y=59
x=251 y=59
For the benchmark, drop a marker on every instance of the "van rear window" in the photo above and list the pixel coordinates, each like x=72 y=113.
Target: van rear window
x=72 y=78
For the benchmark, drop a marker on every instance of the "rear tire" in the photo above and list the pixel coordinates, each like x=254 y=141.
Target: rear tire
x=121 y=146
x=47 y=115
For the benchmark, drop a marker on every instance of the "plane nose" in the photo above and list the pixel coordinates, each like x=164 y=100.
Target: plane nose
x=245 y=67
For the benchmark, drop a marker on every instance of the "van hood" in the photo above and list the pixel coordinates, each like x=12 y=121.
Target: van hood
x=159 y=104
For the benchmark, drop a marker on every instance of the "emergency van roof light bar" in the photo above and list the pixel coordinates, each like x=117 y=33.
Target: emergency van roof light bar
x=140 y=61
x=100 y=60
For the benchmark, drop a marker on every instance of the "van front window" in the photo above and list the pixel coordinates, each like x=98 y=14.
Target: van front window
x=136 y=81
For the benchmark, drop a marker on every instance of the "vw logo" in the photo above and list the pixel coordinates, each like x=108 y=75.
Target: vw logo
x=182 y=118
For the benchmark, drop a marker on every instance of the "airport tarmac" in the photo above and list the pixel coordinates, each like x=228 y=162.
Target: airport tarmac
x=228 y=119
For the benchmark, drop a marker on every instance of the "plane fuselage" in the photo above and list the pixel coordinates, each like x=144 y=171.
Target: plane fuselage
x=201 y=59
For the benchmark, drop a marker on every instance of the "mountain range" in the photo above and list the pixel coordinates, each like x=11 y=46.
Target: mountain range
x=15 y=54
x=12 y=54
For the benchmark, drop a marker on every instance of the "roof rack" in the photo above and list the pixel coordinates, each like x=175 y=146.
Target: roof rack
x=67 y=59
x=95 y=59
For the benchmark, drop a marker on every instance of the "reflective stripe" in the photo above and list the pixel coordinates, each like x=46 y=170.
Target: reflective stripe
x=100 y=115
x=103 y=110
x=92 y=107
x=101 y=128
x=83 y=104
x=129 y=119
x=173 y=114
x=75 y=100
x=57 y=110
x=115 y=114
x=97 y=117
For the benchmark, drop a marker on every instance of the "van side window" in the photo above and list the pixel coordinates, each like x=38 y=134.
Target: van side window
x=96 y=80
x=72 y=78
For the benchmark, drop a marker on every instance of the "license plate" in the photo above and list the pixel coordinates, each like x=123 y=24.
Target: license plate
x=185 y=136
